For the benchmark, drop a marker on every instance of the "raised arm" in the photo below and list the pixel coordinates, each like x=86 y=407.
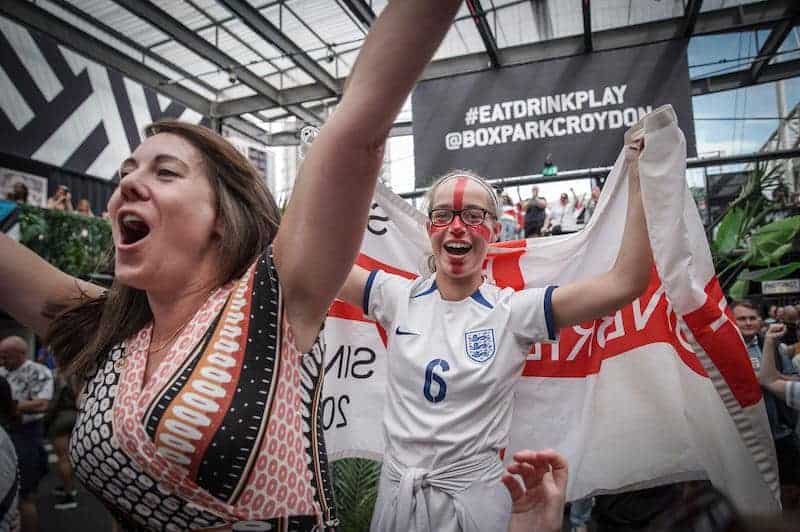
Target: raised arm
x=324 y=223
x=28 y=284
x=768 y=374
x=353 y=289
x=597 y=296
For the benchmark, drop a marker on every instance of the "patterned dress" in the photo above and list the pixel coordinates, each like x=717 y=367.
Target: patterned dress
x=226 y=430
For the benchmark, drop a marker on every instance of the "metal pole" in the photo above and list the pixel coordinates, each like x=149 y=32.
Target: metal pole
x=568 y=175
x=783 y=125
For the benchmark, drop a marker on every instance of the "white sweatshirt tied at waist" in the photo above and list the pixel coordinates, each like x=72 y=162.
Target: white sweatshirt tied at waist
x=411 y=510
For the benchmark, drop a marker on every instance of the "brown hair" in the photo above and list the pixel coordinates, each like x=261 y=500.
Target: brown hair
x=249 y=216
x=746 y=303
x=490 y=191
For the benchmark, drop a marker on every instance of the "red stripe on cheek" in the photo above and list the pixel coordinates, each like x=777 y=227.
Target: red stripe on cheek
x=482 y=231
x=458 y=193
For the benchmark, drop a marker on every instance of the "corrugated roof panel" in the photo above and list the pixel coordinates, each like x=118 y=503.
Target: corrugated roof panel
x=282 y=62
x=327 y=20
x=289 y=24
x=120 y=19
x=710 y=5
x=217 y=79
x=607 y=14
x=185 y=13
x=332 y=63
x=262 y=69
x=346 y=61
x=275 y=111
x=213 y=9
x=263 y=53
x=525 y=23
x=463 y=38
x=256 y=121
x=85 y=25
x=292 y=78
x=236 y=90
x=184 y=58
x=228 y=44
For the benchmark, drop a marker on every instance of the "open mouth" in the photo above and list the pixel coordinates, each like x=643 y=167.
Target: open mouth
x=132 y=229
x=457 y=248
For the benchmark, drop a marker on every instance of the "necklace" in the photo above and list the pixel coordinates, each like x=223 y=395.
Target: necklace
x=172 y=337
x=175 y=333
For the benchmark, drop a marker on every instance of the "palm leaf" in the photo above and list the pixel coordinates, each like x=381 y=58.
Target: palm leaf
x=740 y=288
x=771 y=274
x=728 y=231
x=769 y=243
x=355 y=484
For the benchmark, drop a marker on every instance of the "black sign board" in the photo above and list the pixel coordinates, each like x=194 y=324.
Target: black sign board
x=504 y=123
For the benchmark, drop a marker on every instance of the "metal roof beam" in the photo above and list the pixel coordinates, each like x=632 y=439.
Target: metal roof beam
x=602 y=171
x=758 y=15
x=291 y=137
x=148 y=52
x=690 y=14
x=246 y=129
x=774 y=41
x=363 y=12
x=489 y=42
x=742 y=78
x=251 y=104
x=587 y=25
x=92 y=48
x=166 y=23
x=253 y=19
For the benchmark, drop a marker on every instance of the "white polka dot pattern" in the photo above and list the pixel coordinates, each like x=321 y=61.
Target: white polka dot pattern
x=145 y=488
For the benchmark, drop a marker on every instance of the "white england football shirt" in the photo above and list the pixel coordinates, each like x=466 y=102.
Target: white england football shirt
x=452 y=364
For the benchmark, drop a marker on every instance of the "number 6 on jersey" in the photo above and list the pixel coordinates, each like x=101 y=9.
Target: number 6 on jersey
x=430 y=376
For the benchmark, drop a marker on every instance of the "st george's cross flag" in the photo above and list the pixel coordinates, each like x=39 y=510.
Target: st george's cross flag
x=661 y=391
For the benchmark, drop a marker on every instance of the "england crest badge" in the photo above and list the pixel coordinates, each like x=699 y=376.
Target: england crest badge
x=480 y=345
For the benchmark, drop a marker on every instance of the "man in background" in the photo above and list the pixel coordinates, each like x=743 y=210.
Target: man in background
x=32 y=388
x=535 y=214
x=564 y=214
x=781 y=418
x=61 y=200
x=19 y=193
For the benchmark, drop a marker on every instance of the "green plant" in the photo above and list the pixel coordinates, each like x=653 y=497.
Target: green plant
x=355 y=484
x=745 y=246
x=75 y=244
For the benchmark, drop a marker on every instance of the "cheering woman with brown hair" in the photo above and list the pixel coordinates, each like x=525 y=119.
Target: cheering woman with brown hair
x=202 y=363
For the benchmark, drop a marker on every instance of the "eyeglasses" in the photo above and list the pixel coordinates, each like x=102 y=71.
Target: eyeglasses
x=471 y=216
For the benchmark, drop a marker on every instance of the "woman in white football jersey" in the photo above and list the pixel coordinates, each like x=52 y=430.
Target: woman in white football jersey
x=457 y=345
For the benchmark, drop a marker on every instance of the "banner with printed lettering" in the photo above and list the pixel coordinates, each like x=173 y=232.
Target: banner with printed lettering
x=504 y=122
x=662 y=391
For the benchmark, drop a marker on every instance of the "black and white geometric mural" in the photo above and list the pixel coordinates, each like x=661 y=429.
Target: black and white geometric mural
x=62 y=109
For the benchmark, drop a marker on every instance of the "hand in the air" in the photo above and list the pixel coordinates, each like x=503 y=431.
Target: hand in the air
x=539 y=500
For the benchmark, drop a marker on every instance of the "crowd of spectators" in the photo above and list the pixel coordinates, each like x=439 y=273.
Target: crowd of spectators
x=536 y=217
x=773 y=346
x=61 y=200
x=37 y=412
x=36 y=406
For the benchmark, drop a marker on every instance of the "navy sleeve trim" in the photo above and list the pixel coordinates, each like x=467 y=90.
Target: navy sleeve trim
x=368 y=289
x=548 y=312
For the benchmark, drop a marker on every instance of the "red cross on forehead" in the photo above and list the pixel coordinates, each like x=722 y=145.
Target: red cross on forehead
x=458 y=193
